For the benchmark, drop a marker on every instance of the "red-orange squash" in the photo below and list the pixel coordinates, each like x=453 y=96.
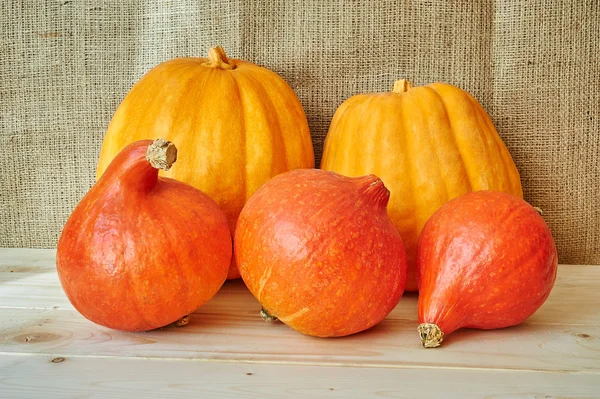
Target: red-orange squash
x=319 y=252
x=428 y=144
x=141 y=251
x=485 y=260
x=236 y=125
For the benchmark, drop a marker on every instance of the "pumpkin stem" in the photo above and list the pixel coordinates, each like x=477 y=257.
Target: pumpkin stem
x=183 y=321
x=402 y=86
x=161 y=154
x=431 y=335
x=376 y=191
x=218 y=59
x=266 y=316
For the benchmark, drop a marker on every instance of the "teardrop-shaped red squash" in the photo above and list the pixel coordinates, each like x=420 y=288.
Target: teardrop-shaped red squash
x=141 y=251
x=486 y=260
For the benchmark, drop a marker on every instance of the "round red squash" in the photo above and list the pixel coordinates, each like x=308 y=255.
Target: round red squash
x=485 y=260
x=320 y=253
x=141 y=251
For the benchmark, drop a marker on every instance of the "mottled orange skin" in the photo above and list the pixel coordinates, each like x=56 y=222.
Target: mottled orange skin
x=485 y=260
x=320 y=253
x=139 y=252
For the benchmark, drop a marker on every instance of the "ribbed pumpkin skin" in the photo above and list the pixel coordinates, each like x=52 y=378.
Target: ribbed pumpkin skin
x=428 y=144
x=236 y=128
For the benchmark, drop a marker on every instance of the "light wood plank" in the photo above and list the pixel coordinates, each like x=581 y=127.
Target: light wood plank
x=38 y=376
x=36 y=317
x=236 y=337
x=32 y=282
x=32 y=259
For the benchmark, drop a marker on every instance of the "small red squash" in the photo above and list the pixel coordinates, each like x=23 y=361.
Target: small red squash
x=141 y=251
x=320 y=253
x=485 y=260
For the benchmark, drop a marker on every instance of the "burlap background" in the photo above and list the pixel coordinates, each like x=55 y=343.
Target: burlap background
x=534 y=65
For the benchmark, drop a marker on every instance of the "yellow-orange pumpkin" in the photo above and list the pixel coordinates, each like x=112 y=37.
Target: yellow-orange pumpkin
x=237 y=125
x=428 y=144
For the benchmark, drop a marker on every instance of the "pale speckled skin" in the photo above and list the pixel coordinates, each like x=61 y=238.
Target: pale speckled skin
x=319 y=252
x=235 y=128
x=485 y=260
x=429 y=144
x=139 y=252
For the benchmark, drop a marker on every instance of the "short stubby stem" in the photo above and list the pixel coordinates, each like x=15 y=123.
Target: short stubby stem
x=161 y=154
x=183 y=321
x=431 y=335
x=266 y=316
x=218 y=59
x=402 y=86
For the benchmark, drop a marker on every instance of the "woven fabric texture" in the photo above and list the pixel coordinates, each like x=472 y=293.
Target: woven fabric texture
x=534 y=65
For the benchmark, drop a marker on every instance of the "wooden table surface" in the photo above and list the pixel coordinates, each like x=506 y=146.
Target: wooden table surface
x=47 y=349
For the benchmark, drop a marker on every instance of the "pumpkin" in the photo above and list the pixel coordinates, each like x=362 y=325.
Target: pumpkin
x=428 y=144
x=320 y=253
x=485 y=260
x=141 y=251
x=237 y=125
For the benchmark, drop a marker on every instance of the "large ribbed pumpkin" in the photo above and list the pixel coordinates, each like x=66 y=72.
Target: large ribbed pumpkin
x=428 y=144
x=236 y=124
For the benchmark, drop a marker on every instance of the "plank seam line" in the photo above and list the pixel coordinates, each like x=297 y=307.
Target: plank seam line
x=258 y=311
x=303 y=363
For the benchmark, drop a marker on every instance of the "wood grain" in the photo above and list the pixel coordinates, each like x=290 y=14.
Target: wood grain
x=70 y=377
x=27 y=259
x=245 y=337
x=554 y=353
x=34 y=272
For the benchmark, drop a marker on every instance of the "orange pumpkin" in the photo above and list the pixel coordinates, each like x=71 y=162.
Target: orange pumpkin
x=237 y=125
x=139 y=251
x=428 y=144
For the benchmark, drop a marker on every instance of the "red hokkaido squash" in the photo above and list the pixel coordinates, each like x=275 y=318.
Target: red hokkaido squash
x=141 y=251
x=485 y=260
x=320 y=253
